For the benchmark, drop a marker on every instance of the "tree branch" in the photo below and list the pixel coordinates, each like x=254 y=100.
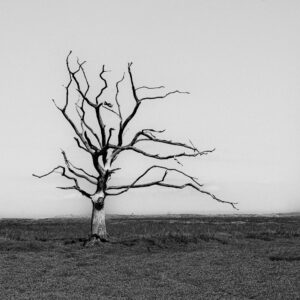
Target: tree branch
x=73 y=76
x=111 y=110
x=105 y=84
x=195 y=185
x=90 y=178
x=64 y=108
x=109 y=136
x=138 y=102
x=150 y=88
x=164 y=96
x=118 y=150
x=157 y=156
x=101 y=124
x=133 y=184
x=63 y=173
x=143 y=132
x=96 y=105
x=79 y=145
x=135 y=109
x=83 y=122
x=78 y=133
x=199 y=190
x=85 y=77
x=151 y=137
x=116 y=97
x=74 y=187
x=132 y=84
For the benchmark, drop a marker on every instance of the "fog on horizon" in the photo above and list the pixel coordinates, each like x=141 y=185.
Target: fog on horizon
x=238 y=59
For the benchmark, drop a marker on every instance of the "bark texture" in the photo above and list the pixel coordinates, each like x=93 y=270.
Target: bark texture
x=98 y=225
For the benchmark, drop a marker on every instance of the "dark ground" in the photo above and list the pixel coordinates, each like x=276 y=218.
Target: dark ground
x=152 y=258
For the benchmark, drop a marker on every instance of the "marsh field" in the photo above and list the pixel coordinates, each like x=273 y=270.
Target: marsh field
x=167 y=257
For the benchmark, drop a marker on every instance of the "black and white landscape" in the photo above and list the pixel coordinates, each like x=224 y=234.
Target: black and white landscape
x=163 y=140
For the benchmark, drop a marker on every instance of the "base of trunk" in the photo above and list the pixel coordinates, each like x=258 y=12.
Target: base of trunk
x=95 y=240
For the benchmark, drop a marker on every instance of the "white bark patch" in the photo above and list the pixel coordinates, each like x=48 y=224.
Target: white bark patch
x=97 y=197
x=107 y=165
x=98 y=223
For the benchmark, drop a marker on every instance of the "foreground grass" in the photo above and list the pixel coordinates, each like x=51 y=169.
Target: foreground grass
x=152 y=258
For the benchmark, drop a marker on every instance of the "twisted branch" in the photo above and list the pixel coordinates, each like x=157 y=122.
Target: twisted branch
x=105 y=83
x=162 y=157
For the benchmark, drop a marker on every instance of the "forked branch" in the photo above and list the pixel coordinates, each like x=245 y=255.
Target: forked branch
x=81 y=113
x=194 y=184
x=138 y=102
x=133 y=184
x=72 y=76
x=63 y=173
x=72 y=169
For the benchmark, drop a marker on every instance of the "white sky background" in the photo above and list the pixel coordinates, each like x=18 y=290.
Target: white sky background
x=238 y=59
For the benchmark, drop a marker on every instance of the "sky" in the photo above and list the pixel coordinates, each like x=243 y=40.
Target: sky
x=238 y=59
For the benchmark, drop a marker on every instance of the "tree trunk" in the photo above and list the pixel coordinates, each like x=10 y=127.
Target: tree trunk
x=98 y=226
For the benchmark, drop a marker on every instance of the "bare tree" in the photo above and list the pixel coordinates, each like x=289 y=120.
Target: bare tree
x=99 y=145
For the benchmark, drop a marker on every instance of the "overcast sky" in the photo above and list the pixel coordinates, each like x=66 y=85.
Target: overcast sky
x=238 y=59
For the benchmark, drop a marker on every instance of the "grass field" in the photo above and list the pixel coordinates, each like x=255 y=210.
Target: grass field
x=185 y=257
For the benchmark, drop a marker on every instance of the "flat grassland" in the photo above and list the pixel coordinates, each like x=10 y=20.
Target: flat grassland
x=184 y=257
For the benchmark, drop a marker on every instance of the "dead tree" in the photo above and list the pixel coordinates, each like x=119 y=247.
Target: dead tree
x=98 y=144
